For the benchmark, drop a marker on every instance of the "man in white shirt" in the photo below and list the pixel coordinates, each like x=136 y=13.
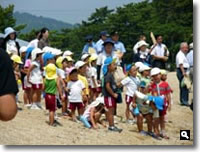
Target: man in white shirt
x=182 y=66
x=99 y=44
x=190 y=60
x=159 y=53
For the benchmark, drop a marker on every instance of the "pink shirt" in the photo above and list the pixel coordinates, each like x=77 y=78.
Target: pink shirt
x=27 y=63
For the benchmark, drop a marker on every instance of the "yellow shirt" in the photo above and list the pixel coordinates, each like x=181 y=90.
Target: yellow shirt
x=85 y=82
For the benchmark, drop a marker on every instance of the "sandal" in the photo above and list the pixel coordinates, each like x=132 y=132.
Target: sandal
x=164 y=136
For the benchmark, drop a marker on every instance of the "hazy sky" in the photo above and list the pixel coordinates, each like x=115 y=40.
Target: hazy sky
x=71 y=11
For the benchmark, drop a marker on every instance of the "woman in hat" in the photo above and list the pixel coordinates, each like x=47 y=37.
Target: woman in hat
x=11 y=45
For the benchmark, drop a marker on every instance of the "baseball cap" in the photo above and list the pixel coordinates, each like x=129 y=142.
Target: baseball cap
x=104 y=33
x=85 y=56
x=47 y=56
x=107 y=62
x=163 y=72
x=67 y=53
x=155 y=71
x=50 y=71
x=79 y=64
x=138 y=64
x=144 y=68
x=93 y=57
x=108 y=40
x=16 y=59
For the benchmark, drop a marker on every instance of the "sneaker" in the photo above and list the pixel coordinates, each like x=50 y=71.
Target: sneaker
x=53 y=125
x=154 y=136
x=39 y=105
x=130 y=122
x=34 y=107
x=57 y=123
x=115 y=129
x=143 y=133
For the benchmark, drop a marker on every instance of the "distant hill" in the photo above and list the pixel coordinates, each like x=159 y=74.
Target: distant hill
x=35 y=22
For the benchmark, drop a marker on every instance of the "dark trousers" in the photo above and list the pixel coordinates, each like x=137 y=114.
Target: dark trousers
x=184 y=92
x=159 y=64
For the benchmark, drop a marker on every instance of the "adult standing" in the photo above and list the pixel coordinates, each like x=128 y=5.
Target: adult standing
x=43 y=38
x=160 y=53
x=119 y=47
x=34 y=43
x=182 y=66
x=90 y=46
x=190 y=60
x=108 y=51
x=99 y=44
x=11 y=45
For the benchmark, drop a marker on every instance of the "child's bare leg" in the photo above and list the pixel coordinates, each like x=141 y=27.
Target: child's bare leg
x=140 y=122
x=80 y=111
x=64 y=105
x=39 y=92
x=34 y=96
x=51 y=117
x=156 y=126
x=29 y=96
x=25 y=96
x=149 y=122
x=127 y=112
x=73 y=114
x=110 y=116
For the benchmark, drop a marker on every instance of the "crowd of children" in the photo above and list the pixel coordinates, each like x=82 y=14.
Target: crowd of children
x=54 y=75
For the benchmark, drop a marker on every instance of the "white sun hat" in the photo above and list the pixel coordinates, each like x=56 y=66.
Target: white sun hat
x=79 y=64
x=56 y=52
x=144 y=68
x=85 y=56
x=23 y=49
x=8 y=31
x=155 y=71
x=35 y=52
x=138 y=64
x=67 y=53
x=141 y=43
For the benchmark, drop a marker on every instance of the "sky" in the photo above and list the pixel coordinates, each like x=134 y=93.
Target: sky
x=70 y=11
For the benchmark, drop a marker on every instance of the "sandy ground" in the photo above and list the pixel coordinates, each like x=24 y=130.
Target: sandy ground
x=30 y=128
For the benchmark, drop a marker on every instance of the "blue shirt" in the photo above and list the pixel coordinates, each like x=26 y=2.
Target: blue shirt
x=87 y=46
x=190 y=58
x=120 y=46
x=99 y=46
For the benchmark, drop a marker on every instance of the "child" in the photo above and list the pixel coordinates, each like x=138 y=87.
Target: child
x=159 y=88
x=131 y=82
x=145 y=111
x=34 y=77
x=69 y=65
x=75 y=89
x=164 y=78
x=27 y=86
x=94 y=86
x=16 y=62
x=145 y=74
x=109 y=92
x=51 y=84
x=92 y=114
x=82 y=67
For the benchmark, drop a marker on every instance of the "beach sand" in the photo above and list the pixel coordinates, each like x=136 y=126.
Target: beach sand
x=30 y=128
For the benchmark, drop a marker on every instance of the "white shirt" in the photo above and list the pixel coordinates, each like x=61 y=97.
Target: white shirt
x=93 y=71
x=131 y=85
x=190 y=58
x=101 y=58
x=33 y=43
x=181 y=59
x=159 y=50
x=60 y=72
x=87 y=112
x=99 y=46
x=135 y=48
x=36 y=74
x=11 y=47
x=75 y=93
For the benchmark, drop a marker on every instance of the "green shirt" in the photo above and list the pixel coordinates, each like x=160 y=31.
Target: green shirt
x=146 y=80
x=50 y=86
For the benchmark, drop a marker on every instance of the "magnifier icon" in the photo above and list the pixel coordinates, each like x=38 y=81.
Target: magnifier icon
x=184 y=134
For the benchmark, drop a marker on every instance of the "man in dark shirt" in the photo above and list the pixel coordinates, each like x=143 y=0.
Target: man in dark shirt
x=8 y=88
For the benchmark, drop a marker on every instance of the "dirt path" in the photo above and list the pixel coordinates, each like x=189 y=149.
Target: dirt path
x=29 y=128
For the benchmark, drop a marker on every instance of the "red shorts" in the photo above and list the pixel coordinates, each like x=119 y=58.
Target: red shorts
x=164 y=111
x=96 y=90
x=74 y=105
x=110 y=102
x=50 y=101
x=128 y=99
x=37 y=86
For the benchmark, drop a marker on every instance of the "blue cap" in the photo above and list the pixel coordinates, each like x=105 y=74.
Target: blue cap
x=143 y=84
x=88 y=37
x=28 y=52
x=107 y=62
x=128 y=67
x=47 y=56
x=104 y=33
x=108 y=40
x=158 y=101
